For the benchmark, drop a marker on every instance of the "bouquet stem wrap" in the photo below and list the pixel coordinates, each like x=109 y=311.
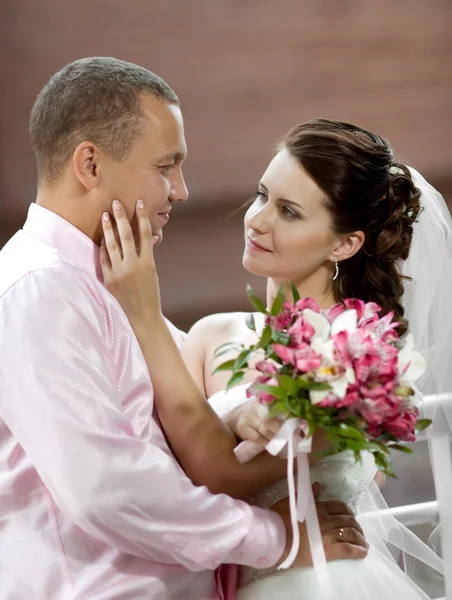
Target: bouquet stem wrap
x=294 y=437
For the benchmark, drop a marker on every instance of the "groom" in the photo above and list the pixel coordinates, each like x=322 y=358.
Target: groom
x=93 y=503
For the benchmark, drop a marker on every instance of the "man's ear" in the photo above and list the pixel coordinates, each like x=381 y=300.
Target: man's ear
x=348 y=246
x=86 y=164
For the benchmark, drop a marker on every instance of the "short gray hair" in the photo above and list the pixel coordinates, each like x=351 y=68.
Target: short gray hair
x=96 y=99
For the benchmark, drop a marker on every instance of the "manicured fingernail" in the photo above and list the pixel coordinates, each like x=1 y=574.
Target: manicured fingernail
x=116 y=204
x=140 y=204
x=155 y=239
x=106 y=216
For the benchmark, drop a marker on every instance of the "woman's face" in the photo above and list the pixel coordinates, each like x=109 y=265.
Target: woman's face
x=288 y=232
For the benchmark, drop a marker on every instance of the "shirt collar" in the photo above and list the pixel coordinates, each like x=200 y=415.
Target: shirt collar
x=52 y=229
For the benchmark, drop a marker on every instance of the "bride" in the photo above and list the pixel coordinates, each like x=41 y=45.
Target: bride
x=335 y=215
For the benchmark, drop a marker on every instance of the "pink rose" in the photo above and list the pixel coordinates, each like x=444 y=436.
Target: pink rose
x=333 y=312
x=364 y=365
x=371 y=311
x=283 y=320
x=329 y=401
x=374 y=431
x=262 y=396
x=286 y=354
x=308 y=303
x=358 y=305
x=306 y=359
x=267 y=367
x=350 y=400
x=403 y=426
x=379 y=409
x=301 y=331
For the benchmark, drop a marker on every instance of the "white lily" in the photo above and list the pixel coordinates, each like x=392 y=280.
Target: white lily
x=324 y=348
x=316 y=396
x=408 y=356
x=319 y=322
x=347 y=321
x=337 y=380
x=322 y=343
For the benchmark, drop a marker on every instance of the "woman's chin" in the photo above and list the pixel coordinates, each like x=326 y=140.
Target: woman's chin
x=254 y=266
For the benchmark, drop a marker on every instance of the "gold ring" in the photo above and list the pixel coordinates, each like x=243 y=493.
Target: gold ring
x=341 y=534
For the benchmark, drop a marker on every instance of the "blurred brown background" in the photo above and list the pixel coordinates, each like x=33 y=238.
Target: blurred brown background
x=246 y=71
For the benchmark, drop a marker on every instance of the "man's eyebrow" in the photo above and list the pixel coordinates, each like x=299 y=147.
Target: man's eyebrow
x=173 y=156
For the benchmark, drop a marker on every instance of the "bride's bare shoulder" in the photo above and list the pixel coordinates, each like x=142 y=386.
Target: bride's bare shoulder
x=219 y=325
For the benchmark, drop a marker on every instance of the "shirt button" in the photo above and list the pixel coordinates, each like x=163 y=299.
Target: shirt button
x=262 y=561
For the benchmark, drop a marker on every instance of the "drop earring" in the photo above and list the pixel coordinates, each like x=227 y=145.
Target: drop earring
x=336 y=265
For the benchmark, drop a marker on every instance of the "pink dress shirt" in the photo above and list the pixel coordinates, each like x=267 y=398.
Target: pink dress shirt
x=93 y=505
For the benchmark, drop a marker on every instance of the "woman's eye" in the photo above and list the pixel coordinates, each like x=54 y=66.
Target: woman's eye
x=290 y=214
x=260 y=196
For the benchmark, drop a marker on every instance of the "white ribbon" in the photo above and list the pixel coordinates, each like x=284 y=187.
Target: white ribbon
x=302 y=504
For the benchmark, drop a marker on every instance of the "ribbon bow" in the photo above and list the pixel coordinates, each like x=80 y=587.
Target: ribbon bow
x=295 y=435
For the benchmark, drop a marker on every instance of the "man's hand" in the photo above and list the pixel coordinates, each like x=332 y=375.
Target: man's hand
x=334 y=517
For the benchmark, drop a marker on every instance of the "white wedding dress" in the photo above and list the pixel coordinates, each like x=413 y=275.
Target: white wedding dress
x=377 y=577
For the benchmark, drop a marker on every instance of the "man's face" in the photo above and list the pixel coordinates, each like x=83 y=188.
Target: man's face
x=152 y=171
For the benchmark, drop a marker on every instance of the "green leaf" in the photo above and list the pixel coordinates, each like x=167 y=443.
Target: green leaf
x=306 y=384
x=255 y=301
x=401 y=448
x=242 y=359
x=295 y=293
x=278 y=408
x=226 y=366
x=235 y=379
x=250 y=322
x=265 y=338
x=355 y=445
x=280 y=337
x=296 y=409
x=350 y=432
x=269 y=353
x=278 y=301
x=224 y=348
x=376 y=446
x=271 y=389
x=422 y=424
x=383 y=463
x=287 y=383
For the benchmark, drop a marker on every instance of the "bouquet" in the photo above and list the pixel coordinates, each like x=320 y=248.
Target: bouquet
x=344 y=370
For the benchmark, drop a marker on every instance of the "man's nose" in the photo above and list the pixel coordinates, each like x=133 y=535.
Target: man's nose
x=178 y=191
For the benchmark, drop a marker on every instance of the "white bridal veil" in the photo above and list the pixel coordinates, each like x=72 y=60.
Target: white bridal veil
x=428 y=308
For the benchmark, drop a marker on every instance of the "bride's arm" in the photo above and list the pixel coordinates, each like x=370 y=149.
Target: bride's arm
x=203 y=444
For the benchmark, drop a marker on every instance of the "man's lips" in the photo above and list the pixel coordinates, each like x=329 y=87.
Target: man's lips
x=165 y=215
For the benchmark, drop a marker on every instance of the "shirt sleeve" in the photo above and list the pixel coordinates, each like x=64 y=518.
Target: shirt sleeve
x=59 y=398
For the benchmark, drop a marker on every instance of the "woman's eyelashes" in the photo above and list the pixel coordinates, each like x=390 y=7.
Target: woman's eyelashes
x=286 y=212
x=289 y=213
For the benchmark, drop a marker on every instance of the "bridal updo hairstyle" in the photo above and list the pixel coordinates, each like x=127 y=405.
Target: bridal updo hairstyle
x=365 y=190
